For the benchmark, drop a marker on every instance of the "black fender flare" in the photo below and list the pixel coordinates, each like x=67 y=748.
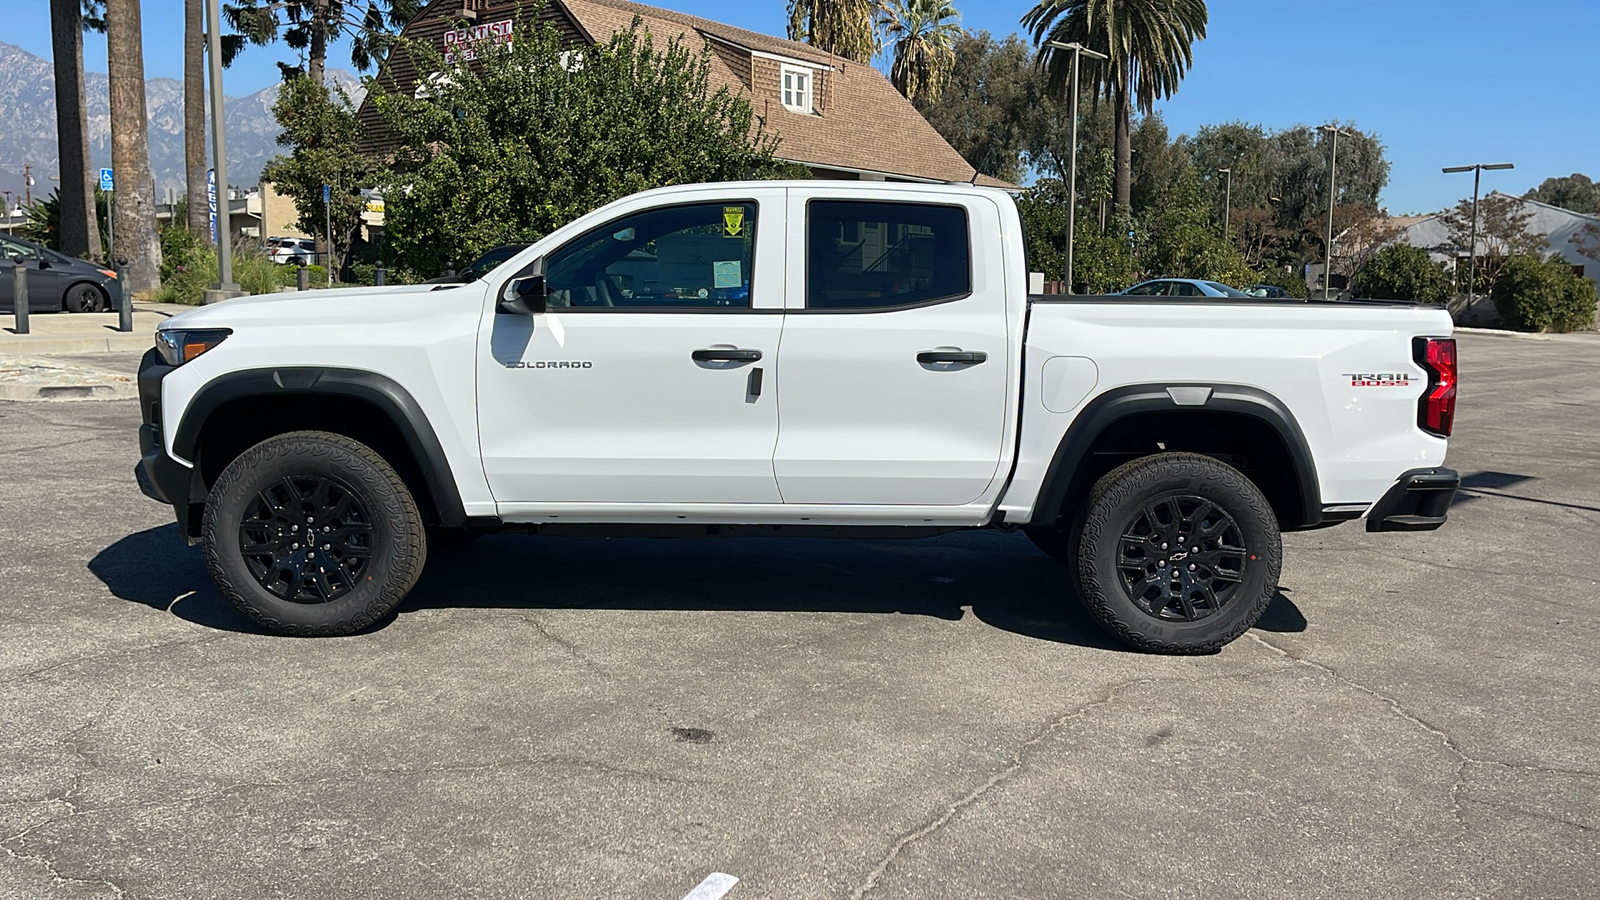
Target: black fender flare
x=1120 y=403
x=378 y=390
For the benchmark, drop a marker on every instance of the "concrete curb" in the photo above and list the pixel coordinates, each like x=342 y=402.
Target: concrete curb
x=33 y=379
x=25 y=393
x=49 y=345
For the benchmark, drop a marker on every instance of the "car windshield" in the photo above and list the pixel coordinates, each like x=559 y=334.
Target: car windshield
x=1225 y=290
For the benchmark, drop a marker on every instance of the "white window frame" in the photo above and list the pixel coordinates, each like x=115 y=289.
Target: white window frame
x=802 y=97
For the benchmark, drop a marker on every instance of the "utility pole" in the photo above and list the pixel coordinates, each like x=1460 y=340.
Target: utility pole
x=1472 y=251
x=1077 y=50
x=27 y=183
x=1333 y=188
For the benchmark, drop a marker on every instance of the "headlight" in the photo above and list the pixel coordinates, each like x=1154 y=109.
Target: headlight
x=177 y=346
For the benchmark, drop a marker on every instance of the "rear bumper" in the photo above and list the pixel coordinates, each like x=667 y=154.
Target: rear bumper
x=1419 y=501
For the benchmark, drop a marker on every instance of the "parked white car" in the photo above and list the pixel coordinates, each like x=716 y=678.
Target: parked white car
x=625 y=375
x=292 y=251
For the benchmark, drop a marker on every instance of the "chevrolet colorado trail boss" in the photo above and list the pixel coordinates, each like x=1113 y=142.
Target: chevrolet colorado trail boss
x=781 y=359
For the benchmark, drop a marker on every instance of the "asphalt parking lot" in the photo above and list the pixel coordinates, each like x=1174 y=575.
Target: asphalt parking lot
x=586 y=718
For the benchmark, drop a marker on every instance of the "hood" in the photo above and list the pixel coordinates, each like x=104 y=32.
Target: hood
x=376 y=305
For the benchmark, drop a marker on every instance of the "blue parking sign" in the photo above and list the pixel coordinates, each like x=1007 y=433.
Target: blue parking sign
x=105 y=180
x=326 y=194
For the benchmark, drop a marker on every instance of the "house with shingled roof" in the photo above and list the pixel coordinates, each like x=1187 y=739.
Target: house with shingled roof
x=839 y=118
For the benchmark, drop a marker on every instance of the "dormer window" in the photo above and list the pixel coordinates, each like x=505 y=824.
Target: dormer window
x=797 y=89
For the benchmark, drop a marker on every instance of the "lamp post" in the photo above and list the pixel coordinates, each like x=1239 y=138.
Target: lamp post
x=225 y=287
x=1472 y=251
x=1078 y=51
x=1227 y=201
x=1333 y=187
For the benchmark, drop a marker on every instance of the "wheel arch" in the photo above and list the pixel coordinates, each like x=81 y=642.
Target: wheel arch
x=105 y=295
x=238 y=410
x=1123 y=424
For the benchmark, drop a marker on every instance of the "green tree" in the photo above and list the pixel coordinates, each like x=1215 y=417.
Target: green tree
x=845 y=27
x=1183 y=241
x=528 y=137
x=1403 y=272
x=1536 y=294
x=921 y=36
x=320 y=128
x=310 y=25
x=984 y=111
x=1575 y=192
x=1150 y=48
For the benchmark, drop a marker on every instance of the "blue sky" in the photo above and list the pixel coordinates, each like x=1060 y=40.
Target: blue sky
x=1443 y=83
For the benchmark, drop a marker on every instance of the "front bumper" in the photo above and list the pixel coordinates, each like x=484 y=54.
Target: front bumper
x=1419 y=501
x=160 y=477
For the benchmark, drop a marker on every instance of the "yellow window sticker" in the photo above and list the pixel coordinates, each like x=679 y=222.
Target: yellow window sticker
x=733 y=221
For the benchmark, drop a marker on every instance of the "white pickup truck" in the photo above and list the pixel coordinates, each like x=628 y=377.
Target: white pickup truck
x=784 y=359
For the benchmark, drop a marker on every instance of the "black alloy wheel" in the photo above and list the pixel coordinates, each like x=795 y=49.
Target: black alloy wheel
x=1177 y=553
x=1182 y=558
x=84 y=298
x=306 y=539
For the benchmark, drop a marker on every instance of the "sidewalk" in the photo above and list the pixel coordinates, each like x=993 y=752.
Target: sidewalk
x=83 y=332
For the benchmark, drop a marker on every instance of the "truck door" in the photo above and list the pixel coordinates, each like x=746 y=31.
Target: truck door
x=649 y=379
x=894 y=368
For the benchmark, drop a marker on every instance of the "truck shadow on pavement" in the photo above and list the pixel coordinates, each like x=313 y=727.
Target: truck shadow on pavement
x=999 y=579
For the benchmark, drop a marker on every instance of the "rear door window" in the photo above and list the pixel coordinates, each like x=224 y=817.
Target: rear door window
x=865 y=255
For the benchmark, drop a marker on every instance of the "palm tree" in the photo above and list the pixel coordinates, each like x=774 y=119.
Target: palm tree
x=1150 y=44
x=310 y=25
x=135 y=203
x=923 y=35
x=194 y=117
x=845 y=27
x=80 y=234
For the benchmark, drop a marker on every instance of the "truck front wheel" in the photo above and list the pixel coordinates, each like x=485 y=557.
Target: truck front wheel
x=1179 y=553
x=314 y=534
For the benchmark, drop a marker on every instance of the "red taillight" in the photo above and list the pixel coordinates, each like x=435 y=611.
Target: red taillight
x=1436 y=411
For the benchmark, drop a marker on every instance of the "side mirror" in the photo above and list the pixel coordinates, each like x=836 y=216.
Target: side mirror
x=525 y=296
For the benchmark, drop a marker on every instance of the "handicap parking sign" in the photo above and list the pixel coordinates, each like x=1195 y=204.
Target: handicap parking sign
x=105 y=179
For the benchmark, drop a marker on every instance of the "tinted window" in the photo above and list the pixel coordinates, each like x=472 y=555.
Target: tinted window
x=1224 y=290
x=17 y=250
x=678 y=257
x=1185 y=289
x=863 y=255
x=1149 y=288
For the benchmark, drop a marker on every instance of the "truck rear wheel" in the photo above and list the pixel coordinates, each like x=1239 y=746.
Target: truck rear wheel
x=1179 y=553
x=314 y=534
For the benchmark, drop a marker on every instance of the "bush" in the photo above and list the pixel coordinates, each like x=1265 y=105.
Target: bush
x=1402 y=272
x=1292 y=282
x=1543 y=295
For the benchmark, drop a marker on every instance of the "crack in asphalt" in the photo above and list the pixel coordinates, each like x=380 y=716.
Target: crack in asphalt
x=1018 y=762
x=96 y=657
x=1532 y=814
x=571 y=648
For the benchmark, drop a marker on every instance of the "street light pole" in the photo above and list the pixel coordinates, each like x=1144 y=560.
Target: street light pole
x=1333 y=187
x=225 y=286
x=1472 y=250
x=1077 y=50
x=1227 y=201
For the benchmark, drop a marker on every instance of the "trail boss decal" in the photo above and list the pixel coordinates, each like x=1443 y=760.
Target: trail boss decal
x=549 y=364
x=1378 y=379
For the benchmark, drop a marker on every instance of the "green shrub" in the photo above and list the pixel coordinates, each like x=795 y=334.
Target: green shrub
x=1292 y=282
x=186 y=276
x=1403 y=272
x=1543 y=295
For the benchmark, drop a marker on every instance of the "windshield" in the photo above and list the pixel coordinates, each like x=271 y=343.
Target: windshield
x=1225 y=290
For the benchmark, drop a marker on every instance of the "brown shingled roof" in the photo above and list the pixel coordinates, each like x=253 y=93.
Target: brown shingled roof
x=863 y=123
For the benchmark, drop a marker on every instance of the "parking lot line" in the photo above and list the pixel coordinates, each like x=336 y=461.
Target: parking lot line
x=715 y=885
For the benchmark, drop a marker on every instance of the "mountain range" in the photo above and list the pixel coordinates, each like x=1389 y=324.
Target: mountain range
x=28 y=125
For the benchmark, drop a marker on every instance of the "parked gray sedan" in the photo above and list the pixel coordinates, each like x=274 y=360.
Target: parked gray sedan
x=55 y=281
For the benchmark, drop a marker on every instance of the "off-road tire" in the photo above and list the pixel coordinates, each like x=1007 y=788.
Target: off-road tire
x=399 y=546
x=1114 y=506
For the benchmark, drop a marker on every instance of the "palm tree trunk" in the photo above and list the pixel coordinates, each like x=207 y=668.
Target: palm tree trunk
x=194 y=117
x=135 y=206
x=318 y=54
x=80 y=233
x=1124 y=148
